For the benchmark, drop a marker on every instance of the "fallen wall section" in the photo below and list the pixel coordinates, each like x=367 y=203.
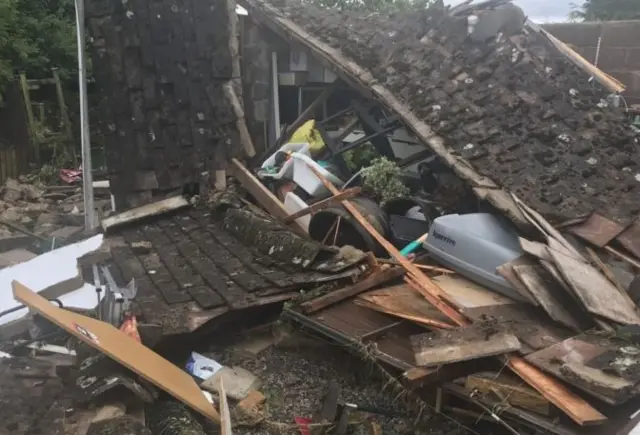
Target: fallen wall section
x=159 y=68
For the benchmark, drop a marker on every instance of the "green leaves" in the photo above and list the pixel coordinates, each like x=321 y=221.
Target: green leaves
x=35 y=36
x=606 y=10
x=382 y=179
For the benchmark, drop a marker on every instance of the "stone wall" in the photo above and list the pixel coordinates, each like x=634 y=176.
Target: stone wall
x=159 y=68
x=619 y=49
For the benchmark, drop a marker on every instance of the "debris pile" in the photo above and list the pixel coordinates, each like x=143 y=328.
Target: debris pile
x=31 y=209
x=513 y=313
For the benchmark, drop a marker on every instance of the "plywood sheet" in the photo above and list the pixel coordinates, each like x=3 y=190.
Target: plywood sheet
x=549 y=294
x=468 y=294
x=596 y=292
x=404 y=302
x=506 y=271
x=122 y=349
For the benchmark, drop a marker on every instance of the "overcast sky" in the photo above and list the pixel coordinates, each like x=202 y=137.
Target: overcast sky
x=541 y=11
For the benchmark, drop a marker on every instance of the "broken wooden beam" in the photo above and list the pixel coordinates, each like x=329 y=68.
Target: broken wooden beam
x=375 y=279
x=264 y=197
x=322 y=204
x=572 y=404
x=146 y=211
x=225 y=414
x=426 y=267
x=402 y=301
x=119 y=347
x=241 y=123
x=434 y=349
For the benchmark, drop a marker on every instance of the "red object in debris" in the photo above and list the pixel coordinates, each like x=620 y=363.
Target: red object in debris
x=303 y=424
x=71 y=176
x=130 y=327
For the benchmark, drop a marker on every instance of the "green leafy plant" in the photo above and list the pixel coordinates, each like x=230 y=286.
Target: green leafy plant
x=382 y=179
x=360 y=157
x=605 y=10
x=35 y=36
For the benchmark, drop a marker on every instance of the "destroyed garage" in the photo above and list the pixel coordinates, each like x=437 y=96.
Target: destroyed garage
x=319 y=220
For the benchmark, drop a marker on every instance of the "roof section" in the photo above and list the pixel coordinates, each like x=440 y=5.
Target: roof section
x=189 y=269
x=513 y=111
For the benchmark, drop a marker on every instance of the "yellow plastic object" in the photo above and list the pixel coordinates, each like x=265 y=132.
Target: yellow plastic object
x=308 y=133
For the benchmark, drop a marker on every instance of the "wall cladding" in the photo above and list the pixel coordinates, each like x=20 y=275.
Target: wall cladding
x=159 y=66
x=256 y=79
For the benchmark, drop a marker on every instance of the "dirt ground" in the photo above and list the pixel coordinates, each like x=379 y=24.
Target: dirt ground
x=296 y=372
x=33 y=401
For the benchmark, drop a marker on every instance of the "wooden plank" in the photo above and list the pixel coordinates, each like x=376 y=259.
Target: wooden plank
x=567 y=360
x=322 y=204
x=597 y=294
x=241 y=124
x=375 y=279
x=554 y=238
x=532 y=326
x=573 y=405
x=548 y=292
x=426 y=267
x=472 y=342
x=225 y=415
x=118 y=346
x=401 y=301
x=506 y=271
x=605 y=270
x=145 y=211
x=419 y=319
x=622 y=256
x=264 y=197
x=630 y=238
x=518 y=394
x=536 y=421
x=597 y=230
x=467 y=294
x=605 y=79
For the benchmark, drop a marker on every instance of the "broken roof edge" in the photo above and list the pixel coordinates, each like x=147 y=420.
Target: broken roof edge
x=363 y=80
x=610 y=83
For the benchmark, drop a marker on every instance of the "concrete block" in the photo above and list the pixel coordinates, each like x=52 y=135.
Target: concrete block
x=238 y=382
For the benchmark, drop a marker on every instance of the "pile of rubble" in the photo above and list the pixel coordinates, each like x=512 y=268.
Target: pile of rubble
x=93 y=372
x=33 y=214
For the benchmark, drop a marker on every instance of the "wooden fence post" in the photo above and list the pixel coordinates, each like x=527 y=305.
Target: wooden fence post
x=24 y=86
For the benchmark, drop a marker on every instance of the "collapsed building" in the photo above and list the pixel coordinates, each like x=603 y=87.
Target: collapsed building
x=484 y=112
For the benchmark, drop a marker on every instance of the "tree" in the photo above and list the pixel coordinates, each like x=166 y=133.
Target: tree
x=35 y=36
x=606 y=10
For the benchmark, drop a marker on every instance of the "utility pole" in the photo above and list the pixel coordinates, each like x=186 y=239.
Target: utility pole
x=85 y=138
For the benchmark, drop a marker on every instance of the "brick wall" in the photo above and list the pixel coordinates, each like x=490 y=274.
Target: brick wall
x=619 y=49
